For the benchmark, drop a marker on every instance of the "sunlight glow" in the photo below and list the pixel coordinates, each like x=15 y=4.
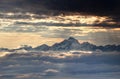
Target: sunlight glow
x=9 y=19
x=3 y=54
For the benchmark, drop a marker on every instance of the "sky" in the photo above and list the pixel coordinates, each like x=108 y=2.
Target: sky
x=36 y=22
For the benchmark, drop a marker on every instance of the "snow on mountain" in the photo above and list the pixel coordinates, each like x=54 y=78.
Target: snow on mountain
x=68 y=44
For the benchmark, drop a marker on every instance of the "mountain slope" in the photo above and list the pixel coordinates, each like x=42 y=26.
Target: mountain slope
x=68 y=44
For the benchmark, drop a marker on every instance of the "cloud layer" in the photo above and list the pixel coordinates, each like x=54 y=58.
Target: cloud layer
x=61 y=65
x=56 y=7
x=38 y=6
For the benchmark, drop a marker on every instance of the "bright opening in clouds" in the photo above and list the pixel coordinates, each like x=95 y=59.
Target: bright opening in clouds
x=9 y=19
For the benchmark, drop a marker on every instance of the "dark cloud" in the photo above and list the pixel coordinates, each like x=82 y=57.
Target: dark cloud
x=93 y=6
x=109 y=8
x=56 y=7
x=22 y=5
x=100 y=7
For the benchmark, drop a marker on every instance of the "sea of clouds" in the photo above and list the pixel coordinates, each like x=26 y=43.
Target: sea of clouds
x=60 y=65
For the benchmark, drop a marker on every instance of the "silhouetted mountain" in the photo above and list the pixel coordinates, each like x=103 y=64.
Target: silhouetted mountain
x=43 y=47
x=87 y=46
x=109 y=48
x=23 y=48
x=26 y=47
x=4 y=49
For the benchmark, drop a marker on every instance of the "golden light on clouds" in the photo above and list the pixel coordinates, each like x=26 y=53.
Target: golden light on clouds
x=32 y=29
x=9 y=19
x=13 y=40
x=51 y=35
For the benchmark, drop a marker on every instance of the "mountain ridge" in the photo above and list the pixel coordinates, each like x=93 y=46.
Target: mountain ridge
x=67 y=45
x=73 y=44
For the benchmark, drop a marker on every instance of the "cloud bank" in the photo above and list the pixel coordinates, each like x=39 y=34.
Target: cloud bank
x=61 y=65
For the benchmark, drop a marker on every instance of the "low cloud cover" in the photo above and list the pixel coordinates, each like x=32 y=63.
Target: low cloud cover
x=60 y=65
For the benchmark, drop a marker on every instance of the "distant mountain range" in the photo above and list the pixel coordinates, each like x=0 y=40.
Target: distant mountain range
x=67 y=45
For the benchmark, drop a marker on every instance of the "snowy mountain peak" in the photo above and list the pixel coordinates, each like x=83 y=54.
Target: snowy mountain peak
x=71 y=39
x=68 y=44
